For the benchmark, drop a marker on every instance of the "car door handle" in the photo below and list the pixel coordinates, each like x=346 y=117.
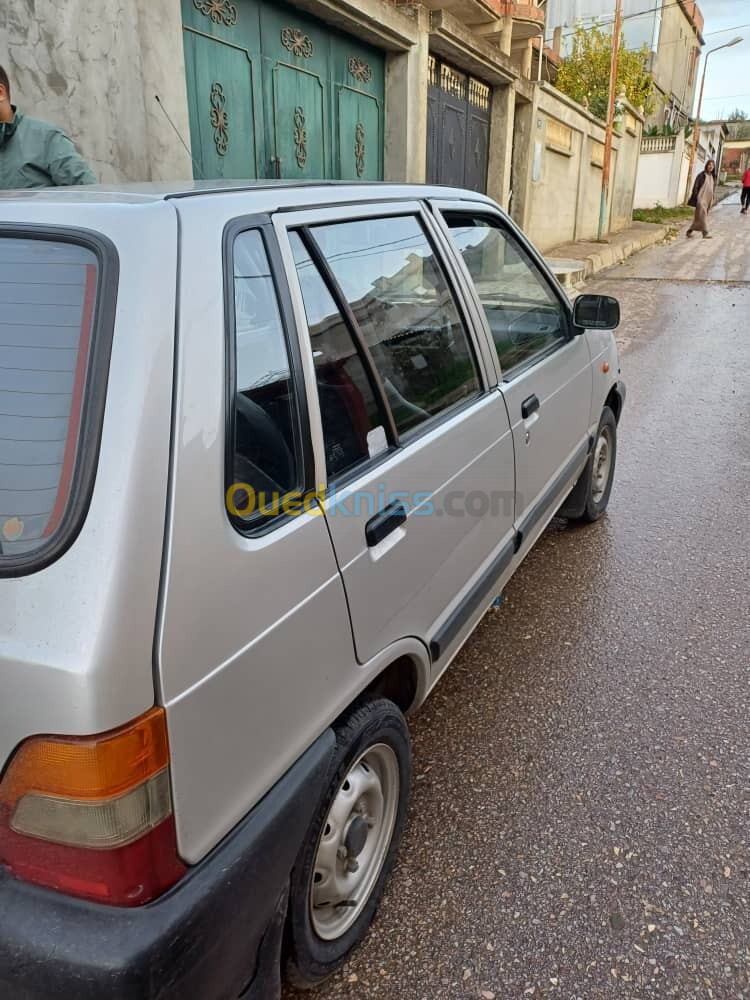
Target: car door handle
x=529 y=406
x=380 y=526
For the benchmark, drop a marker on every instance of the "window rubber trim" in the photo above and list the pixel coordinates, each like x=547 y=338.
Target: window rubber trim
x=342 y=304
x=260 y=524
x=95 y=386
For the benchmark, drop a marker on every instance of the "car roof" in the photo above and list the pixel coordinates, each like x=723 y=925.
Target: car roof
x=140 y=193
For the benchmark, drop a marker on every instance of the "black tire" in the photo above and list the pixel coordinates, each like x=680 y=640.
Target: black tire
x=308 y=958
x=587 y=502
x=594 y=508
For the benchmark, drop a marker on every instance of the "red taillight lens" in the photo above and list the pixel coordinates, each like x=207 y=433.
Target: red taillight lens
x=93 y=817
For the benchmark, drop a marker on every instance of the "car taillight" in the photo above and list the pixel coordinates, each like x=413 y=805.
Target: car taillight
x=92 y=816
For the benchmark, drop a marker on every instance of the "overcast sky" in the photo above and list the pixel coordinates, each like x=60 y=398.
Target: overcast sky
x=728 y=76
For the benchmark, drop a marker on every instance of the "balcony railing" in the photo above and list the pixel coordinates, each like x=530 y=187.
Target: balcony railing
x=658 y=144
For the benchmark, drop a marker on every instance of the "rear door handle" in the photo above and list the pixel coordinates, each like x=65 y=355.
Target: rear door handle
x=380 y=526
x=529 y=406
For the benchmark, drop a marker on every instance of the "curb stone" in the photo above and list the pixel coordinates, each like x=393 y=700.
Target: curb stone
x=591 y=264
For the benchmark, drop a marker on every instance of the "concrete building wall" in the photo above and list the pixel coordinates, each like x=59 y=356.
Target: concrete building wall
x=558 y=199
x=92 y=67
x=100 y=84
x=624 y=174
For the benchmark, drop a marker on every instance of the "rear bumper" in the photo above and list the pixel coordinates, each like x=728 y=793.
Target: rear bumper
x=216 y=935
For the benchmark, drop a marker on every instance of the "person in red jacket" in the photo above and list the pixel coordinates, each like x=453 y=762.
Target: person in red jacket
x=745 y=191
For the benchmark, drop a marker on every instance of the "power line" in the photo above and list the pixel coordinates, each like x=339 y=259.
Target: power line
x=644 y=13
x=662 y=45
x=626 y=17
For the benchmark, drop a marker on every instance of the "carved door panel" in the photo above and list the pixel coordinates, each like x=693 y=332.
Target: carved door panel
x=359 y=137
x=358 y=75
x=220 y=101
x=299 y=123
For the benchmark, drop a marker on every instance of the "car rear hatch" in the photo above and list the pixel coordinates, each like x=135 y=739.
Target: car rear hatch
x=87 y=293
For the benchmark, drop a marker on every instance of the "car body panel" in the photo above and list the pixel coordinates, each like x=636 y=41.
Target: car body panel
x=76 y=637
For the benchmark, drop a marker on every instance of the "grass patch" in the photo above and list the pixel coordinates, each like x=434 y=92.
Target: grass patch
x=661 y=214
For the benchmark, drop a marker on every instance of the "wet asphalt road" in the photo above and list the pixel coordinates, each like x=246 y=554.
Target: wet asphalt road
x=580 y=825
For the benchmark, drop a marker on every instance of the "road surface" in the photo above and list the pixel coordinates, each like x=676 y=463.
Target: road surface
x=581 y=813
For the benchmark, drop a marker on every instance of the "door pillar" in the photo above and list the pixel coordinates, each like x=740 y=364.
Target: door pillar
x=406 y=80
x=501 y=144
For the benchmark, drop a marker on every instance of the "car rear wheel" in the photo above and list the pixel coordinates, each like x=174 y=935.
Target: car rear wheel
x=342 y=868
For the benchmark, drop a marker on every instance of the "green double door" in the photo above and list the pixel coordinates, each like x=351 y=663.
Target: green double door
x=274 y=93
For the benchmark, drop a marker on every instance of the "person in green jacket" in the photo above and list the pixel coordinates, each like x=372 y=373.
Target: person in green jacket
x=35 y=154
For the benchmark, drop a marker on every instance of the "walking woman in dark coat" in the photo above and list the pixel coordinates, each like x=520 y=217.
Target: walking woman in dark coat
x=702 y=200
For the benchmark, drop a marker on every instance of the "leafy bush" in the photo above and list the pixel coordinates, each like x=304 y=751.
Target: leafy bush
x=584 y=75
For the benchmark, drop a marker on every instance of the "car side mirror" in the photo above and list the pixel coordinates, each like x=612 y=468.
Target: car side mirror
x=596 y=312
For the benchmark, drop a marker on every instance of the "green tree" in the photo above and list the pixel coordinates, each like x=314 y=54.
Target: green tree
x=739 y=124
x=584 y=75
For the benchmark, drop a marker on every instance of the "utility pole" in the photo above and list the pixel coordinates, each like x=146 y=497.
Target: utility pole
x=607 y=167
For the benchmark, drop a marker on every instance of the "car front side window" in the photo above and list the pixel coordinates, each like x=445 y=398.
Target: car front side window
x=525 y=316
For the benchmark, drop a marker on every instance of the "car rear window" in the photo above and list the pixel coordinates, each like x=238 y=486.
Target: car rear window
x=48 y=303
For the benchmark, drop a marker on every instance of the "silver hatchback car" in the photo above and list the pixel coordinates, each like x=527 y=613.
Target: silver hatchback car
x=267 y=454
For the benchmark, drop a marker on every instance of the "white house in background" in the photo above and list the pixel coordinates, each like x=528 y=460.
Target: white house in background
x=665 y=160
x=711 y=139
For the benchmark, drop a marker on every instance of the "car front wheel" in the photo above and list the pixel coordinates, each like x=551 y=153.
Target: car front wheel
x=601 y=469
x=590 y=496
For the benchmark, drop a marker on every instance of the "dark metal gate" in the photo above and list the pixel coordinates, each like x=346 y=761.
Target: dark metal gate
x=458 y=128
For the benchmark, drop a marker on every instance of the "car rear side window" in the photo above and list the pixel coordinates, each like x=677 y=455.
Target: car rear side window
x=48 y=305
x=265 y=451
x=348 y=404
x=400 y=299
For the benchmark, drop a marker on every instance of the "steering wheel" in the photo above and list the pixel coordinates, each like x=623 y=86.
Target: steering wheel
x=270 y=441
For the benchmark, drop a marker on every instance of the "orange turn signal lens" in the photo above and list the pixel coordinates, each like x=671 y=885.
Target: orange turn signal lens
x=89 y=767
x=92 y=816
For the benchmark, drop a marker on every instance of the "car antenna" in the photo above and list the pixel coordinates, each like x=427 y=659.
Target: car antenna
x=176 y=132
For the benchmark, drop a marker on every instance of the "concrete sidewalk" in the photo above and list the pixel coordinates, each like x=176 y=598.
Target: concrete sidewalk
x=573 y=263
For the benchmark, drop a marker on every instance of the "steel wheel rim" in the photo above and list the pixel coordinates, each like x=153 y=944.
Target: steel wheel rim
x=368 y=795
x=602 y=464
